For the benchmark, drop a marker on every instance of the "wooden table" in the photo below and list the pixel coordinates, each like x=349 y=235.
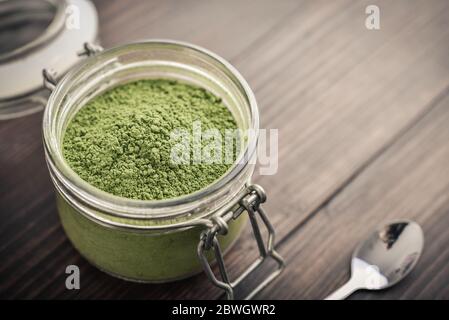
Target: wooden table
x=363 y=119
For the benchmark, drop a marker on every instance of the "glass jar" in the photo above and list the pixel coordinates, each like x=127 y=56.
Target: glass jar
x=157 y=241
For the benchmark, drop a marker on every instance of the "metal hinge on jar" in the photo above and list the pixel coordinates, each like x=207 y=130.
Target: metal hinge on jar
x=250 y=202
x=50 y=76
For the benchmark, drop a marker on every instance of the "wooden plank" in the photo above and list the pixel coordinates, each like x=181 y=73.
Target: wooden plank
x=410 y=180
x=348 y=123
x=334 y=110
x=226 y=27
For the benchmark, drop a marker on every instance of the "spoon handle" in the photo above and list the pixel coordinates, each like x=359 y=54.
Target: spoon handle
x=344 y=291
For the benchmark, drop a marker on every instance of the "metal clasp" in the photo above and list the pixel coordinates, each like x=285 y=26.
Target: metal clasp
x=50 y=76
x=90 y=49
x=250 y=202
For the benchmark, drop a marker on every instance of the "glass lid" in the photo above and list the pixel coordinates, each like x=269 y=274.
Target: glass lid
x=37 y=35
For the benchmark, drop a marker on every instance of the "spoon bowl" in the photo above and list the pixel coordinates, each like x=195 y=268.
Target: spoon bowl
x=384 y=258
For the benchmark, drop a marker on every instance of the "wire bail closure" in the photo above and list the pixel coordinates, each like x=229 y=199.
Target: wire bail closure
x=250 y=202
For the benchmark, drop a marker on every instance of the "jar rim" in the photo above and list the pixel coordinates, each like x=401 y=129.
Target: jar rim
x=120 y=206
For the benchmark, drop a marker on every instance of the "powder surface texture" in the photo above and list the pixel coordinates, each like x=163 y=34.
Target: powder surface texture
x=120 y=142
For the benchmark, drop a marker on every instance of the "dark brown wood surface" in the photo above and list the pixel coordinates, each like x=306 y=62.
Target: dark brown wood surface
x=363 y=119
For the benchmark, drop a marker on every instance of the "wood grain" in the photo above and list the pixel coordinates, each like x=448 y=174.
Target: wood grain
x=410 y=180
x=361 y=124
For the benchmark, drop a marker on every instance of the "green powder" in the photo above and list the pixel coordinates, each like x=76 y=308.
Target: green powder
x=120 y=142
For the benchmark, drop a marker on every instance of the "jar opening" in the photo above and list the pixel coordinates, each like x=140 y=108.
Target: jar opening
x=145 y=60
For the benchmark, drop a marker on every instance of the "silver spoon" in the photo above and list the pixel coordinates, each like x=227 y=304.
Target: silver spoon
x=384 y=259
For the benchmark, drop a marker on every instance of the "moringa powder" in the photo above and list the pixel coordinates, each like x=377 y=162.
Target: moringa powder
x=120 y=142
